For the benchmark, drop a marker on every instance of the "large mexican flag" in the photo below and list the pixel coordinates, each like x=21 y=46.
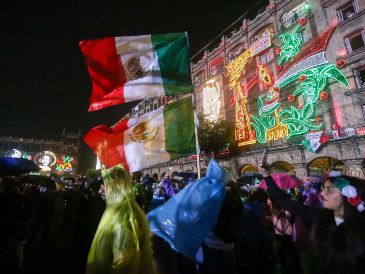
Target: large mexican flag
x=129 y=68
x=156 y=137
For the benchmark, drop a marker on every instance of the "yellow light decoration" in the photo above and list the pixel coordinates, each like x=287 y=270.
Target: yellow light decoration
x=265 y=76
x=236 y=67
x=278 y=131
x=243 y=133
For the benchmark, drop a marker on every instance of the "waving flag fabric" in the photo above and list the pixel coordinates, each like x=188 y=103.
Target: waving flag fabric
x=129 y=68
x=314 y=140
x=156 y=137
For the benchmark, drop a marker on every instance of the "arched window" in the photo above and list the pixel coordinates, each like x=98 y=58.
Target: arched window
x=281 y=166
x=261 y=39
x=263 y=32
x=355 y=40
x=321 y=165
x=235 y=52
x=248 y=169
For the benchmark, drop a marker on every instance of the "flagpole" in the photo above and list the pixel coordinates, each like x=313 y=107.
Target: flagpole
x=196 y=121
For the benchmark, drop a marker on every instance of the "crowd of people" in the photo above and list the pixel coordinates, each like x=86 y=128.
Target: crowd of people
x=45 y=229
x=100 y=226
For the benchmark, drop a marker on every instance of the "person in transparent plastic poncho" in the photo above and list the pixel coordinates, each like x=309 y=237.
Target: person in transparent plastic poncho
x=121 y=243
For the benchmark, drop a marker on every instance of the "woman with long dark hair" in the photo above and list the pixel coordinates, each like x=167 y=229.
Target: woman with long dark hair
x=338 y=229
x=283 y=223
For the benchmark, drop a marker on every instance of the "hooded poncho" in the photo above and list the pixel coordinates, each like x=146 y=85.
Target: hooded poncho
x=121 y=243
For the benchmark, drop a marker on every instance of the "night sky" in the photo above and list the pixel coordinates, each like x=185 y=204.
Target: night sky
x=45 y=85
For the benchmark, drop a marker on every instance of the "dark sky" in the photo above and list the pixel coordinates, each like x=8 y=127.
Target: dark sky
x=45 y=85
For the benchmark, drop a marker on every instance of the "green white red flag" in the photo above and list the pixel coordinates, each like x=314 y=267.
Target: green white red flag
x=129 y=68
x=314 y=140
x=156 y=137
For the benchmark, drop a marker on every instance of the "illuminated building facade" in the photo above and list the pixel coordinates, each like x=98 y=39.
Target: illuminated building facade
x=60 y=157
x=151 y=104
x=292 y=80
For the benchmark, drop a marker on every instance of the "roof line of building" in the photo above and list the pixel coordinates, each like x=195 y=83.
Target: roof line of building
x=259 y=2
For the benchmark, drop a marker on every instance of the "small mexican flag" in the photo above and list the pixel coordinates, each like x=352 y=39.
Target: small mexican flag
x=156 y=137
x=130 y=68
x=314 y=140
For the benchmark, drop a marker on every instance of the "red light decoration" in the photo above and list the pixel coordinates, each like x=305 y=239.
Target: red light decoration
x=302 y=21
x=317 y=45
x=323 y=95
x=278 y=67
x=340 y=63
x=317 y=119
x=277 y=89
x=264 y=75
x=302 y=78
x=291 y=98
x=360 y=131
x=278 y=51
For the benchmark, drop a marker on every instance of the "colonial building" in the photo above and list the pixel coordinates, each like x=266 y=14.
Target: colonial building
x=150 y=104
x=60 y=157
x=292 y=80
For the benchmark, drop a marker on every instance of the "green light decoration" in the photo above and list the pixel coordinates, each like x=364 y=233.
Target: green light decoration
x=291 y=44
x=67 y=159
x=267 y=116
x=302 y=121
x=27 y=156
x=65 y=164
x=313 y=77
x=297 y=121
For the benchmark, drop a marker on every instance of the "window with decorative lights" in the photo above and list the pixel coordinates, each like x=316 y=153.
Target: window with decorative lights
x=266 y=57
x=355 y=40
x=291 y=17
x=216 y=68
x=347 y=11
x=235 y=52
x=262 y=33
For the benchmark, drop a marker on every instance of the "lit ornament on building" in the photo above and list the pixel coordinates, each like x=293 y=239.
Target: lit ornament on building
x=306 y=66
x=212 y=104
x=64 y=164
x=13 y=153
x=45 y=159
